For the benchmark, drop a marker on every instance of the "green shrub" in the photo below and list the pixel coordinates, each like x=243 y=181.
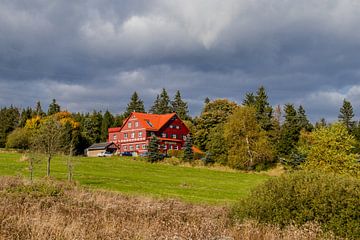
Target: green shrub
x=19 y=138
x=332 y=201
x=175 y=153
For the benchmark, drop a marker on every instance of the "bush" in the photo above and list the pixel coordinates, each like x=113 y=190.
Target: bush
x=19 y=138
x=330 y=200
x=175 y=153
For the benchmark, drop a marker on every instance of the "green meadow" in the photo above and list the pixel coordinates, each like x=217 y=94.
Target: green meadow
x=136 y=177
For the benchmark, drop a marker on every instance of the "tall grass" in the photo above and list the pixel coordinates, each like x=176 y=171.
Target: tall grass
x=49 y=210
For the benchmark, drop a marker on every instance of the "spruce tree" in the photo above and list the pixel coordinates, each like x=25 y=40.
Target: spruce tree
x=153 y=149
x=53 y=108
x=249 y=100
x=346 y=115
x=135 y=105
x=107 y=121
x=38 y=110
x=207 y=100
x=302 y=119
x=164 y=103
x=155 y=107
x=179 y=106
x=188 y=151
x=290 y=131
x=263 y=109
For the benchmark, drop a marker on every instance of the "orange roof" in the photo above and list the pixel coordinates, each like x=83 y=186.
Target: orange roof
x=152 y=122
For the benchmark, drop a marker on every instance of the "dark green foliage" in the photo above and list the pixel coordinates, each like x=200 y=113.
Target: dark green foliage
x=303 y=122
x=180 y=107
x=214 y=113
x=330 y=200
x=321 y=123
x=9 y=120
x=135 y=105
x=91 y=127
x=263 y=109
x=26 y=114
x=53 y=108
x=188 y=151
x=207 y=100
x=162 y=104
x=294 y=160
x=38 y=110
x=249 y=100
x=346 y=115
x=107 y=122
x=217 y=146
x=153 y=149
x=290 y=131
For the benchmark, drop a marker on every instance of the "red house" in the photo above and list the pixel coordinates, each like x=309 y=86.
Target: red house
x=135 y=133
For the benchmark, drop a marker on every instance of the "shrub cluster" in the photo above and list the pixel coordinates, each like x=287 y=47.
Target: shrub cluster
x=330 y=200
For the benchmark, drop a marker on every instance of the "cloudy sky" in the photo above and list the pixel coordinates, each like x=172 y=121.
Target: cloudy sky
x=94 y=54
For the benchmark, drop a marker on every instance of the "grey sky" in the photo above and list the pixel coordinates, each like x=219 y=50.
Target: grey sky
x=94 y=54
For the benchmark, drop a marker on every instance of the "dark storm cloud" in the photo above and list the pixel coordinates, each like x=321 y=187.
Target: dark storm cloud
x=93 y=54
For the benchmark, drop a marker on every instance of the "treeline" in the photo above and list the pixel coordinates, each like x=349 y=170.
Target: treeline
x=251 y=135
x=92 y=127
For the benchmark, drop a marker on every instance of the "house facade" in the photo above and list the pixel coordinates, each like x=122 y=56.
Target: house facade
x=135 y=133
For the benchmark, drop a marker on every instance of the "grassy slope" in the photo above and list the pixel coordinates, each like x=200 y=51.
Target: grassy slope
x=142 y=178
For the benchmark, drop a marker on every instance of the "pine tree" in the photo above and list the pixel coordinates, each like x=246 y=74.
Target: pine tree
x=135 y=105
x=188 y=151
x=180 y=107
x=53 y=108
x=303 y=121
x=263 y=109
x=321 y=123
x=346 y=115
x=38 y=110
x=290 y=131
x=249 y=100
x=107 y=122
x=153 y=149
x=9 y=120
x=207 y=100
x=155 y=107
x=164 y=103
x=26 y=114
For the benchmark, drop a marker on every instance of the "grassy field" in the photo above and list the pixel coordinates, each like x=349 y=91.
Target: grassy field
x=136 y=177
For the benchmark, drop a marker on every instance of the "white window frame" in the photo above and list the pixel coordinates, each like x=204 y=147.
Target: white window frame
x=140 y=134
x=115 y=137
x=132 y=135
x=125 y=135
x=129 y=125
x=131 y=147
x=143 y=146
x=137 y=147
x=136 y=124
x=174 y=136
x=171 y=126
x=164 y=135
x=125 y=147
x=177 y=127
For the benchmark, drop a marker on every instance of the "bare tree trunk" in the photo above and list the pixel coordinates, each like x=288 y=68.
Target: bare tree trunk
x=248 y=150
x=48 y=166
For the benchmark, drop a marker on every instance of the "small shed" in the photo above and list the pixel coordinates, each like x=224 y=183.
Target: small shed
x=97 y=148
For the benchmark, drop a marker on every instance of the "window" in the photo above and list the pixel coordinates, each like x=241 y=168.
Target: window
x=184 y=137
x=131 y=147
x=176 y=147
x=173 y=136
x=125 y=135
x=171 y=147
x=115 y=137
x=132 y=135
x=149 y=123
x=164 y=135
x=171 y=126
x=136 y=124
x=165 y=147
x=125 y=148
x=129 y=124
x=177 y=127
x=137 y=146
x=144 y=146
x=140 y=134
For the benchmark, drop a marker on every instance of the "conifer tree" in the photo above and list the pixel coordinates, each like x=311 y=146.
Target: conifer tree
x=26 y=114
x=179 y=106
x=249 y=100
x=346 y=115
x=153 y=149
x=263 y=109
x=188 y=151
x=207 y=100
x=302 y=119
x=321 y=123
x=155 y=107
x=135 y=105
x=38 y=110
x=290 y=131
x=107 y=121
x=53 y=107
